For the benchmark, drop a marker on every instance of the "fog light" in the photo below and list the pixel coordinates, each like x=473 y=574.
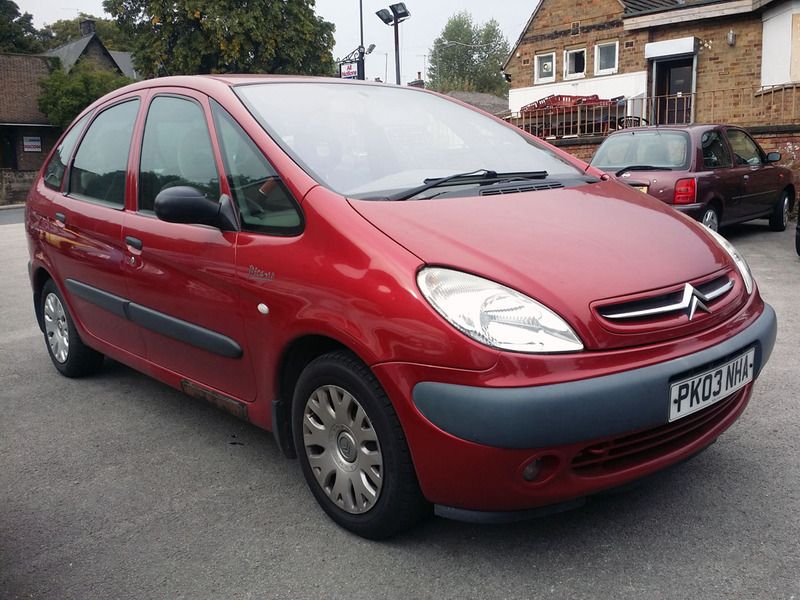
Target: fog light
x=532 y=470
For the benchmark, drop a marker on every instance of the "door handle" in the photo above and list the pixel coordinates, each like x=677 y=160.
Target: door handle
x=61 y=218
x=133 y=242
x=746 y=178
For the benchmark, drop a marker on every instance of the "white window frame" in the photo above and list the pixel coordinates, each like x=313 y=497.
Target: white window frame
x=615 y=68
x=536 y=78
x=568 y=75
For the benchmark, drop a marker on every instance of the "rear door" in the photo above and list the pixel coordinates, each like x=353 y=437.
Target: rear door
x=720 y=178
x=182 y=277
x=84 y=228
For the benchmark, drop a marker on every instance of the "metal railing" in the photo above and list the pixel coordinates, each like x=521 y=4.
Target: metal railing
x=778 y=105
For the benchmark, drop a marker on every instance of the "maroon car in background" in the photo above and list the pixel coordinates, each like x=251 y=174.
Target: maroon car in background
x=717 y=174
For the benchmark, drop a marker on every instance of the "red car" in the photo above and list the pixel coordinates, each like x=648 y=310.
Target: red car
x=430 y=308
x=717 y=174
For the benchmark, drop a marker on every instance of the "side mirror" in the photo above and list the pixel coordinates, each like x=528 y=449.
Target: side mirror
x=184 y=204
x=773 y=157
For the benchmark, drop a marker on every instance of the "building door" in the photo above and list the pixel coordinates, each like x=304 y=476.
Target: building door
x=673 y=90
x=8 y=151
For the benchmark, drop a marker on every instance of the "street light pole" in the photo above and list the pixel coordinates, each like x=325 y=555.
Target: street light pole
x=361 y=66
x=397 y=51
x=396 y=14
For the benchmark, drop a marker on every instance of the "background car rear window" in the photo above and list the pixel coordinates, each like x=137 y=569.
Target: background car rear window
x=100 y=166
x=668 y=149
x=176 y=150
x=57 y=166
x=265 y=205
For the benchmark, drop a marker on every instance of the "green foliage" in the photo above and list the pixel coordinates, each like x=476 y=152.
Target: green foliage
x=64 y=95
x=66 y=30
x=17 y=33
x=468 y=57
x=173 y=37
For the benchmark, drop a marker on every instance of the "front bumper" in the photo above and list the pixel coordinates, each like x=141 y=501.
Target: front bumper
x=472 y=434
x=566 y=413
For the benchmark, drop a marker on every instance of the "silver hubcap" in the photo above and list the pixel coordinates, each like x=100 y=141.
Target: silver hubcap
x=785 y=209
x=711 y=220
x=55 y=326
x=342 y=449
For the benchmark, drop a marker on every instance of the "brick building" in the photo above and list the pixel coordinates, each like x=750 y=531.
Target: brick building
x=727 y=54
x=671 y=61
x=25 y=135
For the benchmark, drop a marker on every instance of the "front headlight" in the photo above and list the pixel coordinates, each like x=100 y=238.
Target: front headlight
x=495 y=315
x=741 y=263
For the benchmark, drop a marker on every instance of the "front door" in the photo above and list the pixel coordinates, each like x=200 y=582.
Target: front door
x=673 y=90
x=758 y=186
x=182 y=276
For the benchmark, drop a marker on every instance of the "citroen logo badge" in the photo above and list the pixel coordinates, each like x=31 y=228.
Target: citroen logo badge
x=693 y=300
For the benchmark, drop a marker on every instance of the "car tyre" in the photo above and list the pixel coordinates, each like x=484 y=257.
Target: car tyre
x=779 y=218
x=711 y=218
x=69 y=354
x=352 y=449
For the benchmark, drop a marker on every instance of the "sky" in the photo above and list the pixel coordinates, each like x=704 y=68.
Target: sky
x=428 y=18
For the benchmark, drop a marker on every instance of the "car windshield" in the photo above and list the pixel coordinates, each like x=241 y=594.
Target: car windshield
x=369 y=141
x=638 y=148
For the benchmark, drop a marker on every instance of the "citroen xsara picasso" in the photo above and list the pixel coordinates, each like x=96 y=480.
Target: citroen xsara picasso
x=430 y=308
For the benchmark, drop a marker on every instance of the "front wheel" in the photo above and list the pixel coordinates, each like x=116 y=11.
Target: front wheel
x=352 y=449
x=779 y=218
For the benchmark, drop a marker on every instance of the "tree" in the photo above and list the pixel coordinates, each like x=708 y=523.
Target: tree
x=17 y=33
x=64 y=95
x=66 y=30
x=225 y=36
x=469 y=57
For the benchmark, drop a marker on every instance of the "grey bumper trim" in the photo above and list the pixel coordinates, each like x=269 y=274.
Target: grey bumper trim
x=566 y=413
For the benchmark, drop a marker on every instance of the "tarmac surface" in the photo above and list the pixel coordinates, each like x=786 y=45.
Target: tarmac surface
x=117 y=486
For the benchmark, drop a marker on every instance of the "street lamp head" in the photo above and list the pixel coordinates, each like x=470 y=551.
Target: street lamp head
x=385 y=16
x=370 y=48
x=400 y=12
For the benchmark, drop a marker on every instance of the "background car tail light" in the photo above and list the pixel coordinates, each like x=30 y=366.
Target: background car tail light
x=685 y=191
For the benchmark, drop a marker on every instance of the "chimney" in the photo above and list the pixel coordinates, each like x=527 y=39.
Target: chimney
x=87 y=27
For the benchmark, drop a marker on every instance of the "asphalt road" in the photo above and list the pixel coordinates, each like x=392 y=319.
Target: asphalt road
x=119 y=487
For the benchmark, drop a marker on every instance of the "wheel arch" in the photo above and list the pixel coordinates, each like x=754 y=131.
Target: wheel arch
x=293 y=360
x=39 y=276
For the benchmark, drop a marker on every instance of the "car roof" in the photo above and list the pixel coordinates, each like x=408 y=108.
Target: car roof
x=691 y=128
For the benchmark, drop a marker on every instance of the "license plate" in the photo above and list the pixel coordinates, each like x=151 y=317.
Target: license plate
x=641 y=188
x=695 y=393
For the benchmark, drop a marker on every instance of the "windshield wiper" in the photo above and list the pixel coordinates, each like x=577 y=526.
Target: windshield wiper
x=478 y=176
x=641 y=168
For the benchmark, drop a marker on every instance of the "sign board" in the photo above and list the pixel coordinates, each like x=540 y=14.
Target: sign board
x=31 y=143
x=348 y=70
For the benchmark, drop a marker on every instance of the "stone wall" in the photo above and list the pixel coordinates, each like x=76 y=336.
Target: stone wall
x=14 y=185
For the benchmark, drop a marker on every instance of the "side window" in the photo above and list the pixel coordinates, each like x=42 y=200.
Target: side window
x=265 y=205
x=176 y=150
x=745 y=150
x=715 y=153
x=100 y=165
x=57 y=166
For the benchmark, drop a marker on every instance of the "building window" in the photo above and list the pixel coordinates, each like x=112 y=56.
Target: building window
x=606 y=59
x=545 y=68
x=574 y=63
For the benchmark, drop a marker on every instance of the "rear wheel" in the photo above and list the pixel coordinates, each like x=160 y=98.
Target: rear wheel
x=69 y=354
x=711 y=218
x=352 y=449
x=780 y=214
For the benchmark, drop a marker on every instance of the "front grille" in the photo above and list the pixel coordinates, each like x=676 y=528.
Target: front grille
x=668 y=304
x=620 y=453
x=522 y=187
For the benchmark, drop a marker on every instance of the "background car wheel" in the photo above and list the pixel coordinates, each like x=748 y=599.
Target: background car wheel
x=711 y=218
x=69 y=354
x=352 y=449
x=780 y=214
